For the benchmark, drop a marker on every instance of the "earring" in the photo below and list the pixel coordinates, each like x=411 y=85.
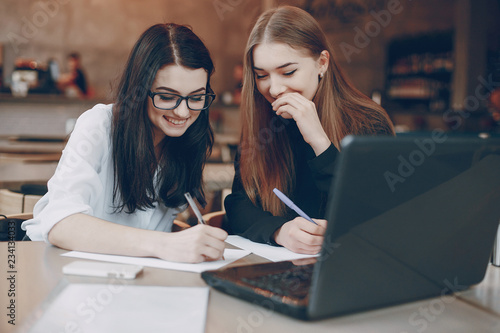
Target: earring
x=321 y=75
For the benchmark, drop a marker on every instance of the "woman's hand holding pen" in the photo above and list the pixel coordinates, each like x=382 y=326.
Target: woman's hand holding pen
x=196 y=244
x=303 y=111
x=301 y=236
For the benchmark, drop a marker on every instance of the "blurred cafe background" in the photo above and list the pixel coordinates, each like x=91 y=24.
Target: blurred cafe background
x=433 y=64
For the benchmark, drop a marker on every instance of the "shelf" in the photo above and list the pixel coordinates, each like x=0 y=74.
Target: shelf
x=438 y=75
x=435 y=43
x=419 y=71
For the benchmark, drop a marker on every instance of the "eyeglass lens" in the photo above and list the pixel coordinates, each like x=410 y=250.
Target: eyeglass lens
x=194 y=102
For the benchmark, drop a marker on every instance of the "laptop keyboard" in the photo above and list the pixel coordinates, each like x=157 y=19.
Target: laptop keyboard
x=293 y=282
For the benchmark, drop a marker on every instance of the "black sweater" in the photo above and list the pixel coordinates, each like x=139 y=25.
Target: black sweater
x=313 y=176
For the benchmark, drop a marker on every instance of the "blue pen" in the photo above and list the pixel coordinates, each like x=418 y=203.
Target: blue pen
x=293 y=206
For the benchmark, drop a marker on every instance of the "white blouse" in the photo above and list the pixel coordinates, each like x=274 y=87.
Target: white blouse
x=84 y=179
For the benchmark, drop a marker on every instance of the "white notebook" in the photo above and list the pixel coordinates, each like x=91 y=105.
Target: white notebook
x=119 y=307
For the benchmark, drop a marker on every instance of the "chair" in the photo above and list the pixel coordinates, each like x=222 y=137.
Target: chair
x=17 y=203
x=179 y=226
x=22 y=216
x=10 y=202
x=215 y=219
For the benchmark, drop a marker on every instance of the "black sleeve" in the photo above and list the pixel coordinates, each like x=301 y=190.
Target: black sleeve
x=250 y=221
x=246 y=219
x=323 y=167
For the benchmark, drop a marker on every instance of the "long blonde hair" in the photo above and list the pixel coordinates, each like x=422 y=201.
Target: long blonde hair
x=266 y=159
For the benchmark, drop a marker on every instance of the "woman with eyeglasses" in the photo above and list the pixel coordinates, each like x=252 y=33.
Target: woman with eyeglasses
x=122 y=177
x=296 y=107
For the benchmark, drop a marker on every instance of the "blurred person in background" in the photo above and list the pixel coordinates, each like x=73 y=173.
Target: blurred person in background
x=74 y=83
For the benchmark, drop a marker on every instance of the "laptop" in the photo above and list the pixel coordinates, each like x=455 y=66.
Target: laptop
x=410 y=217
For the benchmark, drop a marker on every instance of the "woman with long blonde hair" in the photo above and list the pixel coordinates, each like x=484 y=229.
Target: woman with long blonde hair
x=296 y=107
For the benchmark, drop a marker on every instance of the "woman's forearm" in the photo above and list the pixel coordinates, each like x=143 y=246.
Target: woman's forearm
x=81 y=232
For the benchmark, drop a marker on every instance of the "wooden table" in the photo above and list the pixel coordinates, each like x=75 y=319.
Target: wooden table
x=31 y=147
x=13 y=175
x=23 y=162
x=38 y=271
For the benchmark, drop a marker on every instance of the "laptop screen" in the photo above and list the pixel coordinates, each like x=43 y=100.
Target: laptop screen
x=409 y=217
x=415 y=215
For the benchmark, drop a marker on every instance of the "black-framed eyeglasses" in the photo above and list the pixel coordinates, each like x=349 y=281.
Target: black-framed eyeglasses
x=170 y=101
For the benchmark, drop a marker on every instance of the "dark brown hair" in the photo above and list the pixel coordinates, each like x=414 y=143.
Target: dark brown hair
x=141 y=178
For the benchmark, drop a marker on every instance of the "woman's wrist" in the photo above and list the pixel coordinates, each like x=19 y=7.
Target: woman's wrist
x=150 y=243
x=275 y=236
x=320 y=145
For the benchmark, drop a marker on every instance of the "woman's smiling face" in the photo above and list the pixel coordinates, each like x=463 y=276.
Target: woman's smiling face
x=279 y=69
x=182 y=81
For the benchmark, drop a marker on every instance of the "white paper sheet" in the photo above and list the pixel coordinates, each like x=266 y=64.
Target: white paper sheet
x=273 y=253
x=230 y=255
x=104 y=308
